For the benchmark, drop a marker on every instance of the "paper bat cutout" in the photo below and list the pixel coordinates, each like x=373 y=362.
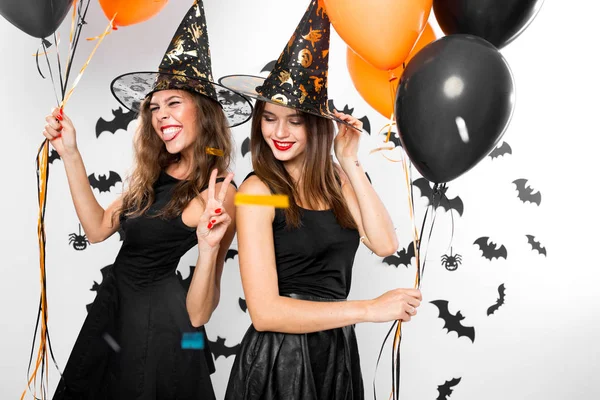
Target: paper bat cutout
x=231 y=253
x=269 y=66
x=245 y=147
x=243 y=304
x=525 y=192
x=500 y=151
x=96 y=285
x=347 y=110
x=445 y=390
x=394 y=138
x=102 y=183
x=219 y=348
x=366 y=124
x=402 y=257
x=489 y=250
x=120 y=121
x=186 y=282
x=453 y=322
x=53 y=156
x=535 y=245
x=499 y=302
x=446 y=203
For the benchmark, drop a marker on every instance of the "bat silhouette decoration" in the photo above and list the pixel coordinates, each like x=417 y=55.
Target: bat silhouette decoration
x=501 y=150
x=402 y=257
x=53 y=156
x=394 y=138
x=445 y=390
x=446 y=203
x=347 y=110
x=219 y=348
x=489 y=249
x=102 y=183
x=243 y=305
x=453 y=322
x=245 y=147
x=535 y=245
x=526 y=193
x=120 y=121
x=269 y=66
x=186 y=282
x=96 y=286
x=231 y=253
x=499 y=302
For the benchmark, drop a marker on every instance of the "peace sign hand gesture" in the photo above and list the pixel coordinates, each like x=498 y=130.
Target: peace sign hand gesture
x=215 y=220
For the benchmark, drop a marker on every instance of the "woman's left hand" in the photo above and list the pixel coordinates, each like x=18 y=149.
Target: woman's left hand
x=347 y=139
x=215 y=220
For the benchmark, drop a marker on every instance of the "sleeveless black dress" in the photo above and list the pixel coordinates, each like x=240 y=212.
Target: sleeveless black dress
x=314 y=262
x=130 y=344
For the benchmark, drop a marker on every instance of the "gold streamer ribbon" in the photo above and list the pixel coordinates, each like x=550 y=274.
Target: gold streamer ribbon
x=275 y=200
x=214 y=152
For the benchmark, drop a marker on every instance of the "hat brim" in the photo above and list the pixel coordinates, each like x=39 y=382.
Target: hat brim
x=246 y=85
x=132 y=88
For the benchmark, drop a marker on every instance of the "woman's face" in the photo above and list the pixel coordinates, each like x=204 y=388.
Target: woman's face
x=284 y=130
x=174 y=114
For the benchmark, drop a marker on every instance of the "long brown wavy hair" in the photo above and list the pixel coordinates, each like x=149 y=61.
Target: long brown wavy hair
x=320 y=184
x=151 y=156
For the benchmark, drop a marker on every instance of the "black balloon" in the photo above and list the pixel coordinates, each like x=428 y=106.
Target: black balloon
x=38 y=18
x=497 y=21
x=453 y=104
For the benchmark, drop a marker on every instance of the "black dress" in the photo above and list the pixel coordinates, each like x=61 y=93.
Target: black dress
x=314 y=262
x=130 y=344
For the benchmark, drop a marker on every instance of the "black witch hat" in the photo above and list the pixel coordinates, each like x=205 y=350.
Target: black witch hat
x=299 y=78
x=186 y=65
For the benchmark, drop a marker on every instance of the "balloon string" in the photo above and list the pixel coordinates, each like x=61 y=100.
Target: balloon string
x=85 y=65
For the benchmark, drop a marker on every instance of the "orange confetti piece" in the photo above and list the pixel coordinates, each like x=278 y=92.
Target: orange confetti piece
x=275 y=200
x=214 y=152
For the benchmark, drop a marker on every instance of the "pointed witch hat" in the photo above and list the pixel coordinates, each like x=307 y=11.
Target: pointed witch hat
x=299 y=78
x=186 y=65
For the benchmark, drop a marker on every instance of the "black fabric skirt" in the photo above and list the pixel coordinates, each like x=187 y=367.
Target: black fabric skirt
x=322 y=365
x=149 y=363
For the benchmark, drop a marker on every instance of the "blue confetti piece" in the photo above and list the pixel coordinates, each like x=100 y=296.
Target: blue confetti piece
x=192 y=340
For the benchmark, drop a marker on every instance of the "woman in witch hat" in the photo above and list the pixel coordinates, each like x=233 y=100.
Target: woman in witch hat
x=296 y=263
x=133 y=344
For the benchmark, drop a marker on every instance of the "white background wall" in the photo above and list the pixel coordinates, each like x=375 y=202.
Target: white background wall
x=542 y=344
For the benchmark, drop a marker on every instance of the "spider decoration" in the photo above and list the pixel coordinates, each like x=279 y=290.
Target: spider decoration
x=80 y=241
x=451 y=261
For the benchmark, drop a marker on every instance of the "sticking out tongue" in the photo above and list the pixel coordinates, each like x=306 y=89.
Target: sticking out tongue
x=170 y=133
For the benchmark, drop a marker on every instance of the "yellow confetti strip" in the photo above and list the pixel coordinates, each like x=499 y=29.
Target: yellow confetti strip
x=214 y=152
x=275 y=200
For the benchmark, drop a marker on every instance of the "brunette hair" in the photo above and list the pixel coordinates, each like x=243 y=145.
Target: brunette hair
x=320 y=184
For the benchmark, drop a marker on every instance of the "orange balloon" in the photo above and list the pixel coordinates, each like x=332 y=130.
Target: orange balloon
x=374 y=84
x=381 y=31
x=131 y=12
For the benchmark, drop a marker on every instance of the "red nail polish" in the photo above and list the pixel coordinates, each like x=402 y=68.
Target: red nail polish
x=59 y=117
x=60 y=112
x=218 y=211
x=210 y=225
x=213 y=221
